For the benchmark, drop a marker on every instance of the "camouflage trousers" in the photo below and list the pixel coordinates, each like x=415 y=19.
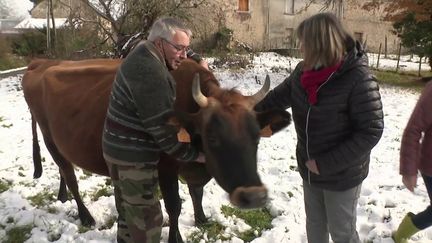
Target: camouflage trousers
x=139 y=211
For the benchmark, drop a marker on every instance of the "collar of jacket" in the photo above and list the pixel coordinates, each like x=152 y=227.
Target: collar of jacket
x=155 y=52
x=355 y=56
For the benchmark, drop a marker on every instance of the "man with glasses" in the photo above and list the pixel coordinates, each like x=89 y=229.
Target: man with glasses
x=135 y=131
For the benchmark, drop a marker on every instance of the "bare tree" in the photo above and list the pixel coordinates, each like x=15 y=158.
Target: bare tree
x=120 y=20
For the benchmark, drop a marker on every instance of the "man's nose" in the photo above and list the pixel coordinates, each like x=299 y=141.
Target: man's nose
x=183 y=55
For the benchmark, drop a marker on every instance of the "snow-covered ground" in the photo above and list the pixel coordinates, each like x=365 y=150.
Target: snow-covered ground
x=383 y=202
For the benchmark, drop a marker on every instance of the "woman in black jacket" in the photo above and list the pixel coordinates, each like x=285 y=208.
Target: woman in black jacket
x=337 y=112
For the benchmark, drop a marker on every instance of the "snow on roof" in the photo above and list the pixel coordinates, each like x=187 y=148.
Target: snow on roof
x=39 y=23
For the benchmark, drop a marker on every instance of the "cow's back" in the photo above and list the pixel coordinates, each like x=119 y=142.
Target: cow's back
x=69 y=100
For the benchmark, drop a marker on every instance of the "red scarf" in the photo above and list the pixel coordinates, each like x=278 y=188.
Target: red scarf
x=312 y=79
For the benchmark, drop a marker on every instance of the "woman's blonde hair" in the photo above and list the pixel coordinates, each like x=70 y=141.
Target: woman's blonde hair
x=324 y=40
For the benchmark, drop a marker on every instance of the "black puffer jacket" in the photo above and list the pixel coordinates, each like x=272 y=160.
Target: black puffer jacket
x=341 y=129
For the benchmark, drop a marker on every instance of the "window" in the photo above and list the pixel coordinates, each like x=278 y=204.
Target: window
x=358 y=36
x=289 y=37
x=289 y=6
x=243 y=6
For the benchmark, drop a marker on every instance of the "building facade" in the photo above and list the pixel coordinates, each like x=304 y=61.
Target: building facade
x=271 y=24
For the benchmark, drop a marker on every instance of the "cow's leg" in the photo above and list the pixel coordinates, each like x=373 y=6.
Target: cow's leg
x=196 y=193
x=196 y=177
x=62 y=193
x=67 y=173
x=36 y=151
x=168 y=183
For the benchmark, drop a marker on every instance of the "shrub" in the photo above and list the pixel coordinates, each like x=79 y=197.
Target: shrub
x=29 y=44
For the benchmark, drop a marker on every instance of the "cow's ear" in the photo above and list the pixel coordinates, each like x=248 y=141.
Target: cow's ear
x=272 y=121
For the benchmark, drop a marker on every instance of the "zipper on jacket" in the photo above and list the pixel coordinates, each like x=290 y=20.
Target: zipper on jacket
x=307 y=126
x=307 y=140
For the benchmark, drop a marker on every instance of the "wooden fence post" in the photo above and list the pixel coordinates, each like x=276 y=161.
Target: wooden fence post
x=385 y=46
x=379 y=54
x=398 y=57
x=419 y=69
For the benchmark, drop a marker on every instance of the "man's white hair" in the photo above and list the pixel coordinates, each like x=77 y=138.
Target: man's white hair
x=166 y=27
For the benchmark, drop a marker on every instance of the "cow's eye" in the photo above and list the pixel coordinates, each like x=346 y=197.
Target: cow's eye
x=213 y=140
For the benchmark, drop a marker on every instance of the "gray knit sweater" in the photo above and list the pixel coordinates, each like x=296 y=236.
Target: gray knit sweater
x=142 y=98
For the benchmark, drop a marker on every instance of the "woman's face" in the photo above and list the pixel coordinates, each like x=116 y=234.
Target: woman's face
x=175 y=50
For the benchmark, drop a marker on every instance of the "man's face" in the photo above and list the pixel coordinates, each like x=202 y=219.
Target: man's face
x=175 y=49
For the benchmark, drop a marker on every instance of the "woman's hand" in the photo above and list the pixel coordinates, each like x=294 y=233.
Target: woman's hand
x=201 y=158
x=311 y=165
x=410 y=181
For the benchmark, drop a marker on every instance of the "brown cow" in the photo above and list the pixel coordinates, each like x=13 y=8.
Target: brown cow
x=69 y=99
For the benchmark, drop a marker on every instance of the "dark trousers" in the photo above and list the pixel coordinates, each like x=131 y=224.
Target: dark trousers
x=423 y=219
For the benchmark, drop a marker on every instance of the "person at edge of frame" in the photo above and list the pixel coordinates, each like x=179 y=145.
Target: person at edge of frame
x=416 y=155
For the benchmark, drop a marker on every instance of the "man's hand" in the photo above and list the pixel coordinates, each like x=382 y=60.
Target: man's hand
x=410 y=181
x=311 y=165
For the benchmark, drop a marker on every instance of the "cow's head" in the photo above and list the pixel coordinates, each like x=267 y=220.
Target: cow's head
x=230 y=130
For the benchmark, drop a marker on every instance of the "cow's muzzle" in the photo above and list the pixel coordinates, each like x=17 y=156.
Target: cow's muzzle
x=249 y=197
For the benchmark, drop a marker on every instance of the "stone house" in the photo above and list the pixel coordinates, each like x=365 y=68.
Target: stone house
x=270 y=24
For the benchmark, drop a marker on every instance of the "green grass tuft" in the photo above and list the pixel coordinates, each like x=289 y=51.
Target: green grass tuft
x=258 y=219
x=5 y=185
x=105 y=191
x=18 y=234
x=42 y=199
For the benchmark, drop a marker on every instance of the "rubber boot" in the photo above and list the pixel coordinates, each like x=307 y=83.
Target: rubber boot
x=405 y=230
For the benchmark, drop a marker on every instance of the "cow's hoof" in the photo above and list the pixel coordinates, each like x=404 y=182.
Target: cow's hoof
x=200 y=221
x=88 y=221
x=175 y=238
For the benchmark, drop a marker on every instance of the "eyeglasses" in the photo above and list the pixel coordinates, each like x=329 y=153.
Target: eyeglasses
x=179 y=48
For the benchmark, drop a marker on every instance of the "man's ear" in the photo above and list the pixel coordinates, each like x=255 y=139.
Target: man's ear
x=272 y=121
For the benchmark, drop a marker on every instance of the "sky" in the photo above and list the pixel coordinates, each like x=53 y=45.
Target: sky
x=383 y=200
x=16 y=8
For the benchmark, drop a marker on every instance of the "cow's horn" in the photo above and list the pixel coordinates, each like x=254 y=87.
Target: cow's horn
x=258 y=96
x=200 y=99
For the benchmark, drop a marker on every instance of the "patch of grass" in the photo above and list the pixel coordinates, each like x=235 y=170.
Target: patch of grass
x=82 y=229
x=109 y=223
x=52 y=210
x=11 y=61
x=18 y=234
x=403 y=79
x=211 y=231
x=42 y=199
x=7 y=125
x=5 y=185
x=2 y=120
x=105 y=191
x=86 y=174
x=258 y=219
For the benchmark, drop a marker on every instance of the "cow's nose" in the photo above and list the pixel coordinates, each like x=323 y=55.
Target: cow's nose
x=249 y=197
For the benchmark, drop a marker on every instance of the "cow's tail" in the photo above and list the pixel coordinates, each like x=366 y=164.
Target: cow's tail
x=36 y=151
